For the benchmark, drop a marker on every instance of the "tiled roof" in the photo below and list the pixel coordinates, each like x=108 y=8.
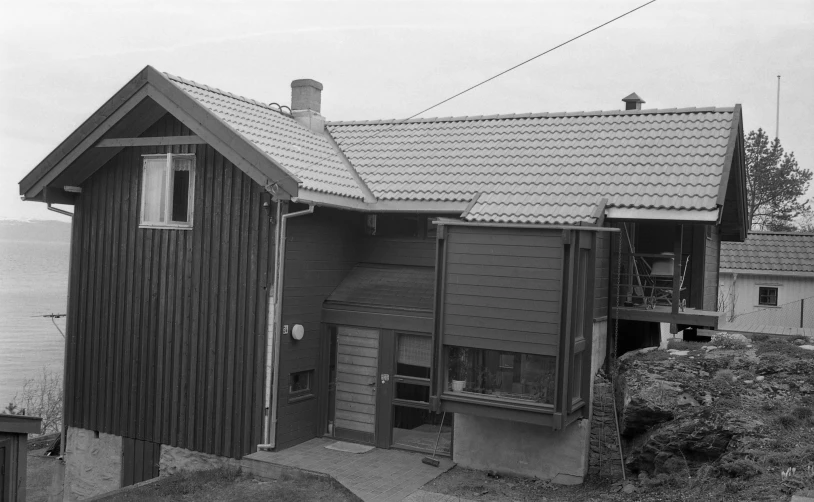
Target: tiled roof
x=782 y=252
x=546 y=168
x=386 y=286
x=309 y=156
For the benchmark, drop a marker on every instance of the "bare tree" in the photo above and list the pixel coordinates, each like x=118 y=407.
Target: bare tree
x=774 y=183
x=41 y=397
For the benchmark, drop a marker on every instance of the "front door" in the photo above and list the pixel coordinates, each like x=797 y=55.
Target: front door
x=357 y=364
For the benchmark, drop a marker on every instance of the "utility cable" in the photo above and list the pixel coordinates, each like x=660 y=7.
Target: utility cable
x=493 y=77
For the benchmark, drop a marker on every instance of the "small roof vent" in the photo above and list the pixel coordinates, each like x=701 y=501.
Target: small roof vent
x=633 y=102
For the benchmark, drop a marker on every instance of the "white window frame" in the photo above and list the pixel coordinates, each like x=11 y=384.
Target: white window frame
x=767 y=305
x=168 y=224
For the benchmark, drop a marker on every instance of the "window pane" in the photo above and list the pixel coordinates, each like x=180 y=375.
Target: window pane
x=180 y=196
x=767 y=296
x=413 y=392
x=501 y=374
x=414 y=350
x=181 y=170
x=300 y=382
x=155 y=196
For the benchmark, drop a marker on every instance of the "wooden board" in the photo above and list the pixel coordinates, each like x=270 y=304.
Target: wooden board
x=356 y=375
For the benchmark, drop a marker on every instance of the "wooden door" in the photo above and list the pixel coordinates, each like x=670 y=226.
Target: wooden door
x=356 y=378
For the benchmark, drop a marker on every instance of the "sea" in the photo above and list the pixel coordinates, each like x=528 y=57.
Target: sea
x=33 y=283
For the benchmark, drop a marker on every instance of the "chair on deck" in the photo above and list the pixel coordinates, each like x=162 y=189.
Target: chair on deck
x=658 y=278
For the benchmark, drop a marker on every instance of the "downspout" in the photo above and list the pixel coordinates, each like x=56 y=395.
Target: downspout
x=63 y=436
x=274 y=336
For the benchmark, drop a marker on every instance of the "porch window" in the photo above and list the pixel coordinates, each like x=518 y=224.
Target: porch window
x=504 y=375
x=167 y=188
x=767 y=296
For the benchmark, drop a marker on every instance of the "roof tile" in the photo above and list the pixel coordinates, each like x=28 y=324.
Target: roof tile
x=781 y=252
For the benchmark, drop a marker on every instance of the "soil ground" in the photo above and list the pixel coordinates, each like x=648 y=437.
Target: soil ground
x=230 y=485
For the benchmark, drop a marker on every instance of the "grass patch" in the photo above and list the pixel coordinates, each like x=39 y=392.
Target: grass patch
x=787 y=421
x=229 y=484
x=802 y=413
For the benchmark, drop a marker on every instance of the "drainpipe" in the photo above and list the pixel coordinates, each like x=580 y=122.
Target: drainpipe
x=274 y=337
x=63 y=436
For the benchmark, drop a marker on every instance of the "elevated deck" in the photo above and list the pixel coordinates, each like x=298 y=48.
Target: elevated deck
x=664 y=313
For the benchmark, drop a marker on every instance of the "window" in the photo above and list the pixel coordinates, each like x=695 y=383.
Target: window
x=499 y=374
x=767 y=296
x=299 y=384
x=167 y=190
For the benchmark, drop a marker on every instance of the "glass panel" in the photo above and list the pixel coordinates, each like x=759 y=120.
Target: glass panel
x=418 y=429
x=181 y=178
x=180 y=196
x=413 y=355
x=767 y=296
x=155 y=194
x=300 y=382
x=414 y=350
x=501 y=374
x=413 y=392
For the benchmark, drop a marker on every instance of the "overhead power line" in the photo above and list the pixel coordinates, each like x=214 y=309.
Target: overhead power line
x=475 y=86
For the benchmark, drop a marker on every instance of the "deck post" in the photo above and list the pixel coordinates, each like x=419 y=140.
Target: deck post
x=679 y=235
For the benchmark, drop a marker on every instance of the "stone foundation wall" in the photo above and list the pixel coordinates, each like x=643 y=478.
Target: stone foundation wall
x=174 y=460
x=93 y=465
x=604 y=456
x=522 y=449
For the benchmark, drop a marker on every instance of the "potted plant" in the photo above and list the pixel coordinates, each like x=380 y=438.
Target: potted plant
x=459 y=368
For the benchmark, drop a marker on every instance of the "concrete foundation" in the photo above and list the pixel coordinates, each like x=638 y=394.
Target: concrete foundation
x=522 y=449
x=174 y=460
x=599 y=345
x=93 y=464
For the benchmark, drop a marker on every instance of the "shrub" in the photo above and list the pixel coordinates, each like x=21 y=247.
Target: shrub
x=787 y=421
x=740 y=468
x=760 y=337
x=802 y=412
x=728 y=342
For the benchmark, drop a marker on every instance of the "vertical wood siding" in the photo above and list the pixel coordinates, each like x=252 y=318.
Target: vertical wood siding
x=712 y=258
x=503 y=281
x=166 y=328
x=602 y=275
x=320 y=250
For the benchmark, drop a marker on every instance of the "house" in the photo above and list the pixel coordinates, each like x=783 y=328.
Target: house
x=768 y=280
x=247 y=276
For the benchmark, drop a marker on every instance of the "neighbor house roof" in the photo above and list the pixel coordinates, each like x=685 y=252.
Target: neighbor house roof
x=386 y=286
x=547 y=168
x=770 y=252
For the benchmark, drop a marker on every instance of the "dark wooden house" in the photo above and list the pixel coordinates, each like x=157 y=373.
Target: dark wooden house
x=245 y=277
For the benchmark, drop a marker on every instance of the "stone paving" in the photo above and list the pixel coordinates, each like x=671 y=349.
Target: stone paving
x=376 y=476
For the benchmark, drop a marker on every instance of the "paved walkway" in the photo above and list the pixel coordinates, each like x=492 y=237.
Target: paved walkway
x=378 y=475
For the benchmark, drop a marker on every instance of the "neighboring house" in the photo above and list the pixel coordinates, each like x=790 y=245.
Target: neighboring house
x=768 y=280
x=246 y=278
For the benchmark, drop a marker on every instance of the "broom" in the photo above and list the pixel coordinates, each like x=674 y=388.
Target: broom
x=432 y=460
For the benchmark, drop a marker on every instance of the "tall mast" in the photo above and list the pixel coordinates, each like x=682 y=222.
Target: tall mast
x=777 y=126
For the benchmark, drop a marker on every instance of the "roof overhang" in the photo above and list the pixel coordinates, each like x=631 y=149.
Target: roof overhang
x=306 y=196
x=732 y=190
x=140 y=103
x=679 y=215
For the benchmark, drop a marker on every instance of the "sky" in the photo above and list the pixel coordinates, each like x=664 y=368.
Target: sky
x=61 y=60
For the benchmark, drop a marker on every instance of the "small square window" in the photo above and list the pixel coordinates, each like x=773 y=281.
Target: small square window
x=300 y=384
x=167 y=189
x=767 y=296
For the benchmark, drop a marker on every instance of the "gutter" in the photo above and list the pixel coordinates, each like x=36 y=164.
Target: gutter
x=274 y=337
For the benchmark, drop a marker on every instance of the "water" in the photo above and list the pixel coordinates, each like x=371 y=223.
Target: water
x=33 y=281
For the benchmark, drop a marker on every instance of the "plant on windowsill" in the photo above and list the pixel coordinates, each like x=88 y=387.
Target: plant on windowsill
x=459 y=368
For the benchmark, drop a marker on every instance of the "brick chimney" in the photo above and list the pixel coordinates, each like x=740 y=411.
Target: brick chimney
x=306 y=102
x=633 y=102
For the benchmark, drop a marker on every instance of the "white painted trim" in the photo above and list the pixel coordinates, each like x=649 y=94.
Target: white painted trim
x=623 y=213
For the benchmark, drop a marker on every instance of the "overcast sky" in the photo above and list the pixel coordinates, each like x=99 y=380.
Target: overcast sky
x=60 y=60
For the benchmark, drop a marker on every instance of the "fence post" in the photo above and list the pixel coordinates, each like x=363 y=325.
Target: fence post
x=802 y=310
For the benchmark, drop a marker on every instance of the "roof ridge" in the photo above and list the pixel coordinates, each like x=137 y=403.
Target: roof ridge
x=176 y=78
x=604 y=113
